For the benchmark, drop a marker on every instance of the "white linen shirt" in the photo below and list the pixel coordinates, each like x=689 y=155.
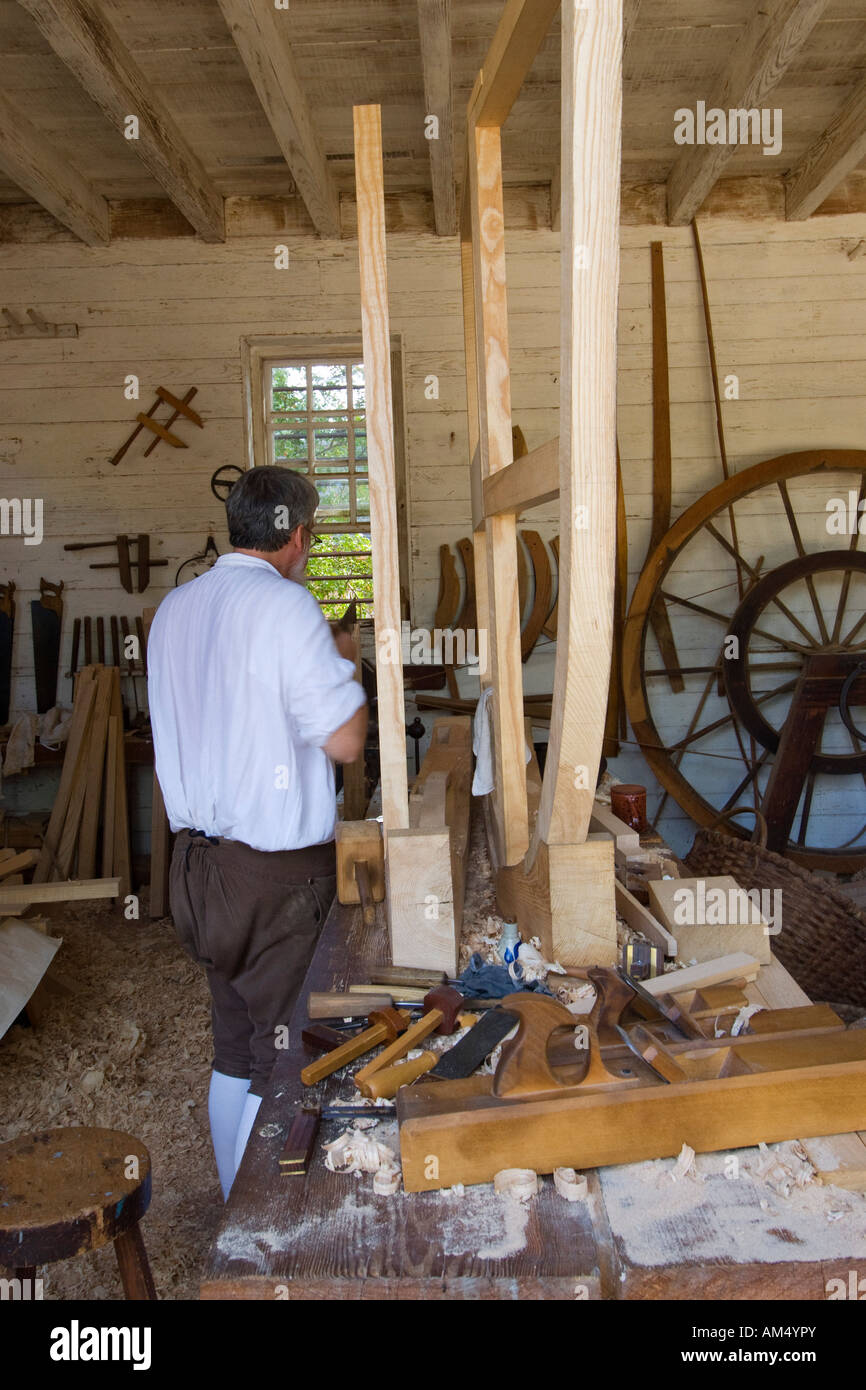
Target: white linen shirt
x=245 y=685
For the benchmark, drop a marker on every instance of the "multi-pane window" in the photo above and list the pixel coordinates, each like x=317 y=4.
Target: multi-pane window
x=316 y=424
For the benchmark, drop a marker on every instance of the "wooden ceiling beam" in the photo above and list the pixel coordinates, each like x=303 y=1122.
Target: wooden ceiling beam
x=519 y=35
x=770 y=41
x=261 y=33
x=84 y=40
x=434 y=24
x=31 y=161
x=833 y=156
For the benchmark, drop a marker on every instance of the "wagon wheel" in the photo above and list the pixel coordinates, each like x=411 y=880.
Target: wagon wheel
x=766 y=657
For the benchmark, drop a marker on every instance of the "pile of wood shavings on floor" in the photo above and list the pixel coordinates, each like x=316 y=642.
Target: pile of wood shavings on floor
x=129 y=1049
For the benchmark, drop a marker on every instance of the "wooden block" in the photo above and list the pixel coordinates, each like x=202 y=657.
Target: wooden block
x=738 y=966
x=722 y=917
x=604 y=822
x=25 y=955
x=420 y=900
x=358 y=841
x=74 y=890
x=640 y=919
x=567 y=899
x=322 y=1004
x=13 y=863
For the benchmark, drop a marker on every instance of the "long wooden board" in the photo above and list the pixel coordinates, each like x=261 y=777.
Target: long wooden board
x=473 y=1143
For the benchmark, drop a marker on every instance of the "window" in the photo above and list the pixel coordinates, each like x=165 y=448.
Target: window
x=306 y=410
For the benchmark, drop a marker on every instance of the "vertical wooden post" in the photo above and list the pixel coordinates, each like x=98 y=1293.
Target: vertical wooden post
x=591 y=138
x=375 y=324
x=484 y=172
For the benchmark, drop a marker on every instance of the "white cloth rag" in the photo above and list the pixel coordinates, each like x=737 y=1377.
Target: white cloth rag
x=482 y=746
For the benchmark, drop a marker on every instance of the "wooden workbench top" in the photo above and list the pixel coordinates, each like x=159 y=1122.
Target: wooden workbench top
x=639 y=1235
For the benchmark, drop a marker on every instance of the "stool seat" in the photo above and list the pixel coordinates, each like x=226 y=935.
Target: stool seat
x=65 y=1191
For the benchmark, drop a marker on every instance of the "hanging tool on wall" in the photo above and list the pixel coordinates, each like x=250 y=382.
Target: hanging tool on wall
x=7 y=629
x=162 y=431
x=662 y=459
x=46 y=613
x=125 y=560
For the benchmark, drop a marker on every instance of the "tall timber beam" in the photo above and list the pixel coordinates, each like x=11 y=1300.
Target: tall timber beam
x=262 y=35
x=85 y=41
x=434 y=24
x=31 y=161
x=770 y=41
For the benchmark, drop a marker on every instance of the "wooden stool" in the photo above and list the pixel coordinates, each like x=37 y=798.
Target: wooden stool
x=65 y=1191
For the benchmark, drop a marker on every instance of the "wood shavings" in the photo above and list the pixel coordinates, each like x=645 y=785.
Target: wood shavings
x=535 y=967
x=517 y=1184
x=783 y=1172
x=684 y=1166
x=387 y=1180
x=356 y=1152
x=743 y=1017
x=570 y=1185
x=458 y=1190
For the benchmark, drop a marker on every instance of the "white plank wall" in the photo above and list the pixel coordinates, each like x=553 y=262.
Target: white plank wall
x=788 y=308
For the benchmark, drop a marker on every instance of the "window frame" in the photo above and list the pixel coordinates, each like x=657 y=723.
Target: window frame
x=259 y=353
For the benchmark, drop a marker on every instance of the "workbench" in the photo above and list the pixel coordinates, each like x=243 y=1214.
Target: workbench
x=638 y=1236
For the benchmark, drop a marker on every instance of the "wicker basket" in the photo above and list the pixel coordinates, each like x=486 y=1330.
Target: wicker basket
x=823 y=938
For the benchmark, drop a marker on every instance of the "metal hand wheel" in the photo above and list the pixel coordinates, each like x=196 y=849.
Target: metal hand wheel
x=224 y=480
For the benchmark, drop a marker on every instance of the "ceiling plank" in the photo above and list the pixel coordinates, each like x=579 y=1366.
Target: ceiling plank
x=835 y=153
x=88 y=45
x=770 y=41
x=434 y=23
x=261 y=34
x=31 y=161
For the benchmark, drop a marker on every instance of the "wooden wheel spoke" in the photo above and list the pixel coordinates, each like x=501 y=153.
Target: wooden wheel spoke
x=750 y=777
x=807 y=806
x=753 y=574
x=727 y=718
x=846 y=581
x=846 y=641
x=801 y=551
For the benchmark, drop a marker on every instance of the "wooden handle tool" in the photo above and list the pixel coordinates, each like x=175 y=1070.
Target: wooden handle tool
x=327 y=1005
x=386 y=1024
x=365 y=891
x=411 y=1038
x=385 y=1084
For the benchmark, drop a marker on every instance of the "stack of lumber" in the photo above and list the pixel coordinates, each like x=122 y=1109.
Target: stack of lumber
x=92 y=792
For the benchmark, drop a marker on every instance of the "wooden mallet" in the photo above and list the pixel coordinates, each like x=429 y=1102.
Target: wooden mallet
x=385 y=1025
x=441 y=1014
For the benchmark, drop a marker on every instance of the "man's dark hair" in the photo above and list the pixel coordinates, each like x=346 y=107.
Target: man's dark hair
x=266 y=505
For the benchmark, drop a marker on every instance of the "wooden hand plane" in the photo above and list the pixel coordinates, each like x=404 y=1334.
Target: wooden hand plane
x=630 y=1093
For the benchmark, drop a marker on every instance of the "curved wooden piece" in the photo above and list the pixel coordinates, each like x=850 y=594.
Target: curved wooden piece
x=591 y=125
x=549 y=626
x=522 y=579
x=523 y=1067
x=448 y=602
x=717 y=500
x=543 y=590
x=468 y=618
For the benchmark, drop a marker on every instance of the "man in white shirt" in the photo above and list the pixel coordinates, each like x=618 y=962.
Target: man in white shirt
x=252 y=700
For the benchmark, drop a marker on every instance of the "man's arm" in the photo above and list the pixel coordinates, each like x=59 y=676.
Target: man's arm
x=347 y=744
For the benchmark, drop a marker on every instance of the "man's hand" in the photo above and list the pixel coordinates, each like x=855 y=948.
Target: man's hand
x=345 y=643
